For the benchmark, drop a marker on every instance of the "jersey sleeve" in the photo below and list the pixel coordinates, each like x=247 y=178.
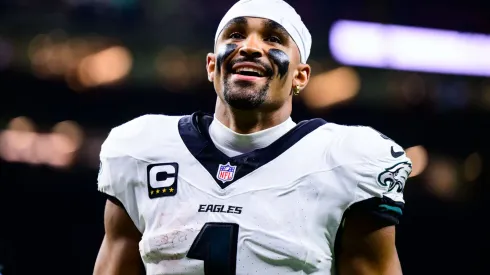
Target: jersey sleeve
x=381 y=169
x=118 y=172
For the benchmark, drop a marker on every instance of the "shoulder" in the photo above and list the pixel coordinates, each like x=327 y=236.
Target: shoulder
x=378 y=164
x=138 y=134
x=367 y=144
x=368 y=158
x=362 y=144
x=127 y=145
x=380 y=169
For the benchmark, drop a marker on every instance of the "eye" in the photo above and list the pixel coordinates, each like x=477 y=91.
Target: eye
x=274 y=39
x=236 y=35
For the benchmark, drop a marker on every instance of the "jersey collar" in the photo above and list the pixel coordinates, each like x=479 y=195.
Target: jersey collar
x=193 y=130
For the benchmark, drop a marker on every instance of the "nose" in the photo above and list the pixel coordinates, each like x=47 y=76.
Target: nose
x=251 y=47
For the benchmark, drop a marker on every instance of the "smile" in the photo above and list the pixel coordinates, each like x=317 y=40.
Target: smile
x=248 y=69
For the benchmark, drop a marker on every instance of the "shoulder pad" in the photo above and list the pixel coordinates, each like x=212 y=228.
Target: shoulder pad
x=135 y=135
x=365 y=144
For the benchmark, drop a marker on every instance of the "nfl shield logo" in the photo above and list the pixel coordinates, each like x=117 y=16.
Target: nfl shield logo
x=226 y=172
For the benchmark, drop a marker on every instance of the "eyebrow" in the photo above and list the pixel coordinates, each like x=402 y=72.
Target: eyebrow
x=274 y=26
x=268 y=25
x=239 y=21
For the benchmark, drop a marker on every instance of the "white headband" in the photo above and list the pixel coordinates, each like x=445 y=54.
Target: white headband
x=277 y=11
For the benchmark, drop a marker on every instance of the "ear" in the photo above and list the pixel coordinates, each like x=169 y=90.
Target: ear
x=211 y=66
x=302 y=76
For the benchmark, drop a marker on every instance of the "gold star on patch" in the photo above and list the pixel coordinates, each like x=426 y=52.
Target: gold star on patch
x=164 y=190
x=171 y=189
x=158 y=191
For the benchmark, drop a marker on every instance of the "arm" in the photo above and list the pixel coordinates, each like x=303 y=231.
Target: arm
x=119 y=252
x=118 y=178
x=366 y=240
x=367 y=247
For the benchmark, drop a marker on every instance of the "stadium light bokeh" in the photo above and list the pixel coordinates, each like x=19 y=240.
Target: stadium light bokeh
x=21 y=143
x=386 y=46
x=420 y=159
x=472 y=167
x=331 y=88
x=107 y=66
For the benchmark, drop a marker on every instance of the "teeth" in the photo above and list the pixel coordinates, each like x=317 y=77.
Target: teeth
x=245 y=69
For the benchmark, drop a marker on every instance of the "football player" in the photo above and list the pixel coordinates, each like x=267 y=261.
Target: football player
x=246 y=190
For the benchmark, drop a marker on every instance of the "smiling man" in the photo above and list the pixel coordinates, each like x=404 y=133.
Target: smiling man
x=247 y=190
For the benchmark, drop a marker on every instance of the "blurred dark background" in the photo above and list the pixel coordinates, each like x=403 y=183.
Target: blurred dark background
x=70 y=70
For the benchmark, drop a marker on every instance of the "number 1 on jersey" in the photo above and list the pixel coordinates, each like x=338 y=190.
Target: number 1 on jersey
x=216 y=245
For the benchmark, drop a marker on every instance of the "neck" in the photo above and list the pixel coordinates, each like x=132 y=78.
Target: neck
x=247 y=122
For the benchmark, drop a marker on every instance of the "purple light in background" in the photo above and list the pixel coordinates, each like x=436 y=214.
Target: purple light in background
x=410 y=48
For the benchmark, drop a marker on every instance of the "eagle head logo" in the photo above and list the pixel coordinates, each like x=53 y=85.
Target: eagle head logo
x=395 y=177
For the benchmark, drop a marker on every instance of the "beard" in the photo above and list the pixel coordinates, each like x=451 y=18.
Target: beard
x=244 y=96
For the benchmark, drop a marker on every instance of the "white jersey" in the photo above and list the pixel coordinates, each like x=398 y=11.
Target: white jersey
x=275 y=210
